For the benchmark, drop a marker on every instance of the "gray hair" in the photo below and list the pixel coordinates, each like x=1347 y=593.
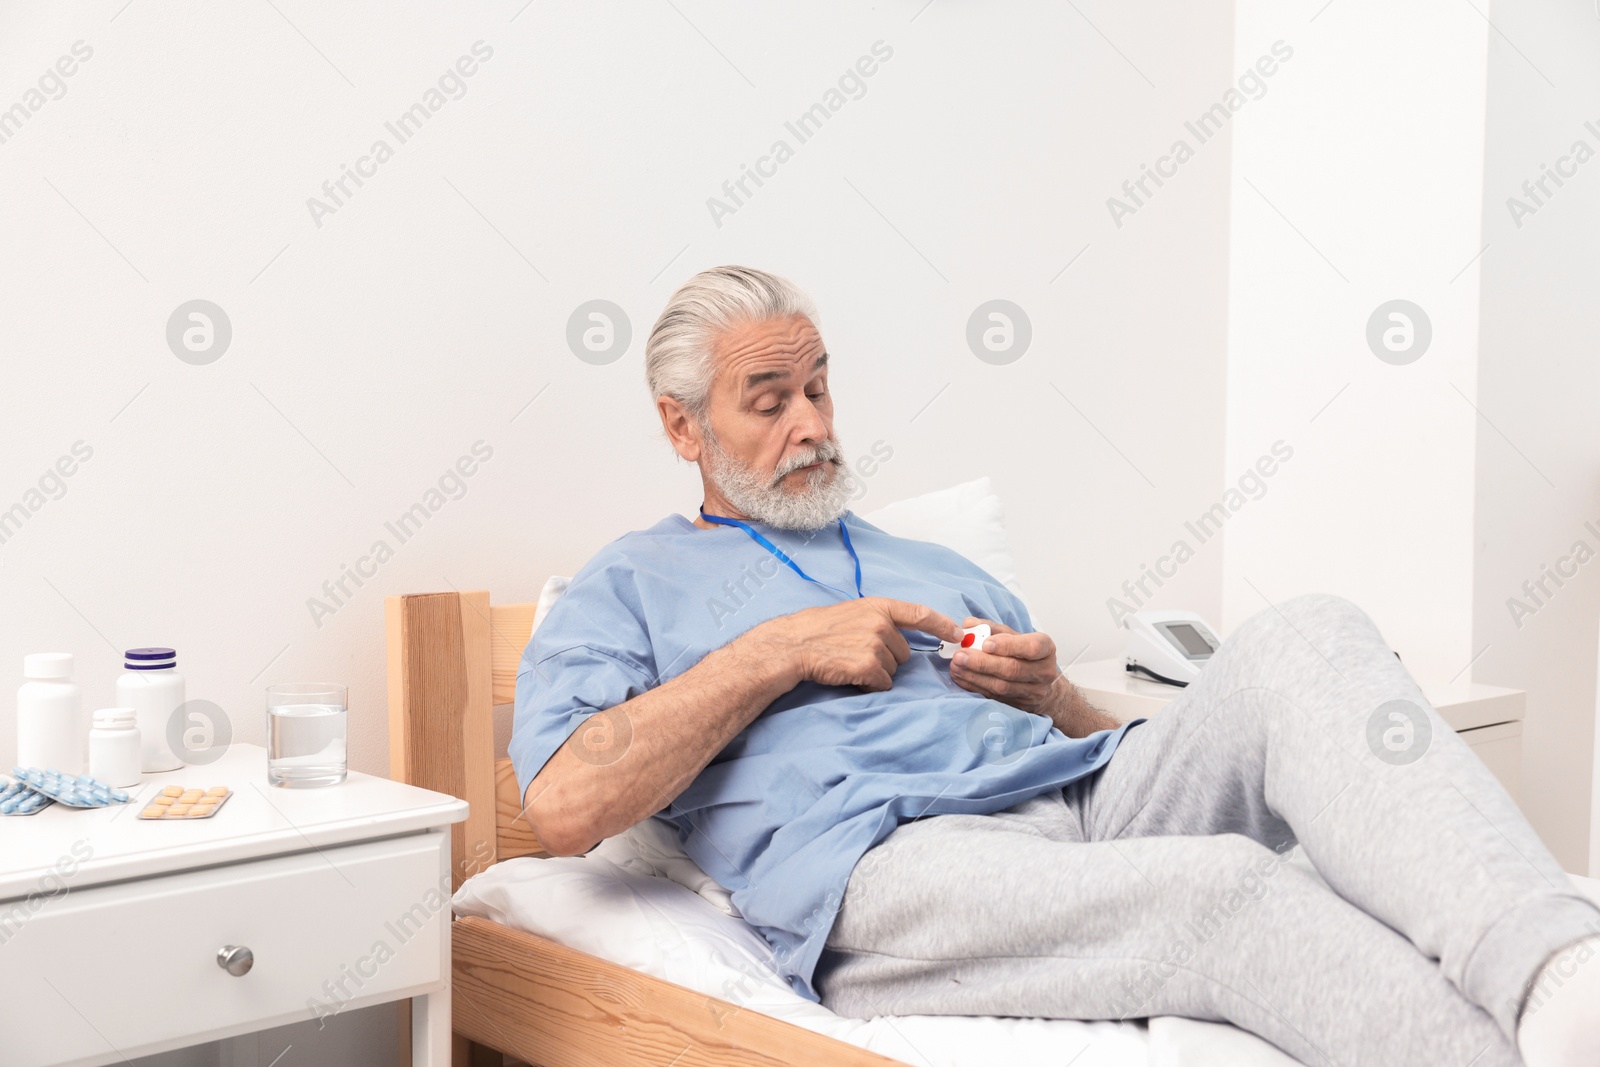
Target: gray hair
x=679 y=357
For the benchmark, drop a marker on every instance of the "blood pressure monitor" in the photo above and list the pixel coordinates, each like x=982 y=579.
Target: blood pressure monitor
x=1169 y=646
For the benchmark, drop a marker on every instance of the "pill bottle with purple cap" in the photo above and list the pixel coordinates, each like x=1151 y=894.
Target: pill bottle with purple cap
x=153 y=688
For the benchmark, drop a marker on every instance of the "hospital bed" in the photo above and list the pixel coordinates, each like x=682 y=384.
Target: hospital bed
x=631 y=955
x=599 y=960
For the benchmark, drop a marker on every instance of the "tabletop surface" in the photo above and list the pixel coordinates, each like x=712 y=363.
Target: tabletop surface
x=1463 y=704
x=94 y=846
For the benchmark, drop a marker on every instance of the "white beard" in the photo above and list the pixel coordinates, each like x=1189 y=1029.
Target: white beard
x=823 y=499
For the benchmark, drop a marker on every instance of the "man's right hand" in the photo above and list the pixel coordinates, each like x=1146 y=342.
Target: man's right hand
x=856 y=642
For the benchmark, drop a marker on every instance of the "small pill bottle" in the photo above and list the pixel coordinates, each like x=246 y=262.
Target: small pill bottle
x=152 y=686
x=114 y=756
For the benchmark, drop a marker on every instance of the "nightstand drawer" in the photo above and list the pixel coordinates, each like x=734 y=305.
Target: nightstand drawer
x=132 y=967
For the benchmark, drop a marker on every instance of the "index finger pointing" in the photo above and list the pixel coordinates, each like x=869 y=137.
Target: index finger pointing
x=911 y=616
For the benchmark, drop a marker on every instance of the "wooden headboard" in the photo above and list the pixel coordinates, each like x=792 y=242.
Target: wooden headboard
x=452 y=658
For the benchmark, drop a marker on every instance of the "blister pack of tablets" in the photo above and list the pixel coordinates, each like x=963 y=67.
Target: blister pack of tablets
x=175 y=802
x=81 y=791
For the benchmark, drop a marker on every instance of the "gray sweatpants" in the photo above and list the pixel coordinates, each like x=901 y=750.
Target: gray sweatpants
x=1160 y=885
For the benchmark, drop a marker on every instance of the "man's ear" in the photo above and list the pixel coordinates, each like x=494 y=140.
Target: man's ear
x=682 y=430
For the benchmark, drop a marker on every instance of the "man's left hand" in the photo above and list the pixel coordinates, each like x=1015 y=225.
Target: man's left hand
x=1018 y=669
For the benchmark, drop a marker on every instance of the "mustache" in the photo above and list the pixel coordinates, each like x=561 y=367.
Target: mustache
x=826 y=452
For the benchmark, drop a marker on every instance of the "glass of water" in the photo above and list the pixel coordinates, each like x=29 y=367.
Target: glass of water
x=306 y=734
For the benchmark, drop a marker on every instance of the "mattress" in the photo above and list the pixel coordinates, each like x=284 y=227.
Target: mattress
x=657 y=926
x=662 y=928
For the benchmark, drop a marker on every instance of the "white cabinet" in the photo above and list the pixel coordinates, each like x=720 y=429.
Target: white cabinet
x=135 y=965
x=1500 y=748
x=111 y=927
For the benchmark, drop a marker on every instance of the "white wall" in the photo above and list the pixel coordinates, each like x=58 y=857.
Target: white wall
x=1539 y=466
x=423 y=315
x=1356 y=183
x=375 y=350
x=1427 y=492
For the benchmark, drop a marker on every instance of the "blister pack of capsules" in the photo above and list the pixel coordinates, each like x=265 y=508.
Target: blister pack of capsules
x=18 y=799
x=32 y=790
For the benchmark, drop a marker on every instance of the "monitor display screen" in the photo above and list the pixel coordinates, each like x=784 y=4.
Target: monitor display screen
x=1194 y=646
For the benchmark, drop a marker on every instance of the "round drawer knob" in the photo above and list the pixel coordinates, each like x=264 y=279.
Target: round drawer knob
x=235 y=959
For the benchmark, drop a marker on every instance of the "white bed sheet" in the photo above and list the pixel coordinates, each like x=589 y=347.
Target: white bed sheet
x=659 y=927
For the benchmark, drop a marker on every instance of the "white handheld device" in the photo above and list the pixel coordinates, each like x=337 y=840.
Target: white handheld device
x=1169 y=646
x=971 y=637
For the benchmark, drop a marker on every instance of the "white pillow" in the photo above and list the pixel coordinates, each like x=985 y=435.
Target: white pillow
x=965 y=517
x=651 y=848
x=555 y=587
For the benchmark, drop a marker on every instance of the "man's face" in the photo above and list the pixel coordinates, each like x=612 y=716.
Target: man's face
x=769 y=399
x=770 y=449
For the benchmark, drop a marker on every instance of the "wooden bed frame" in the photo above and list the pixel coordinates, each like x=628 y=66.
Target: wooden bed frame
x=453 y=657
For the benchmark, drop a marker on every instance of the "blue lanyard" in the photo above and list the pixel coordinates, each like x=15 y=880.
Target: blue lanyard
x=791 y=564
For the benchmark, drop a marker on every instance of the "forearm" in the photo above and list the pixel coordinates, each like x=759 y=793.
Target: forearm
x=1072 y=714
x=626 y=763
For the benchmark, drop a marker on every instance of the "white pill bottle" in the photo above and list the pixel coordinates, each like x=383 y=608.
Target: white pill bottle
x=51 y=728
x=153 y=688
x=114 y=750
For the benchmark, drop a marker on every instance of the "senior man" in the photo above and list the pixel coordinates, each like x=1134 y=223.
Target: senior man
x=920 y=837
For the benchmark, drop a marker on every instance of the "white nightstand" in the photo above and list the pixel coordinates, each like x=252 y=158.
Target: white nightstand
x=1487 y=717
x=111 y=926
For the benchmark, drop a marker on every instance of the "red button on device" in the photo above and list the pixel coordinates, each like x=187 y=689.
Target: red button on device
x=967 y=639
